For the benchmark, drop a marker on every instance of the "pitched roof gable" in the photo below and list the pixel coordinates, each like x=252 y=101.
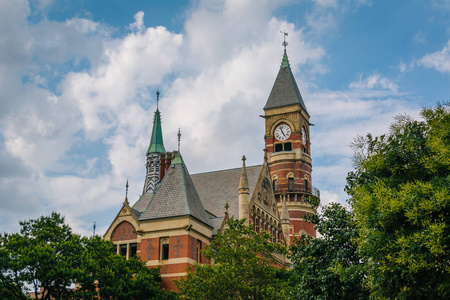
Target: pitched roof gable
x=176 y=196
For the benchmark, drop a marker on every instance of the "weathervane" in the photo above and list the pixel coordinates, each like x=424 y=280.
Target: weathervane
x=285 y=34
x=126 y=190
x=95 y=226
x=157 y=98
x=179 y=138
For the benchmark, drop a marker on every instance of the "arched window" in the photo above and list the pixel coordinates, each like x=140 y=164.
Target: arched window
x=290 y=184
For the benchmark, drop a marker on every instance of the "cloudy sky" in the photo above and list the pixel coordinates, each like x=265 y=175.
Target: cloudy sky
x=78 y=81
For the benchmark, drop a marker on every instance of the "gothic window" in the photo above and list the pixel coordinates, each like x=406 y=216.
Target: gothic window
x=290 y=184
x=164 y=248
x=306 y=184
x=275 y=185
x=278 y=147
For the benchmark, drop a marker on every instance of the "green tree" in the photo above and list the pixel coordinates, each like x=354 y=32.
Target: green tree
x=242 y=267
x=47 y=254
x=107 y=275
x=329 y=267
x=44 y=254
x=400 y=198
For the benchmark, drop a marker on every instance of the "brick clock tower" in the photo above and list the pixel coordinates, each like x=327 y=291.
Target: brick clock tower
x=288 y=151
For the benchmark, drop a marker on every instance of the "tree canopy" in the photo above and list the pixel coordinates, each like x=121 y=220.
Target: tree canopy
x=47 y=255
x=242 y=267
x=399 y=193
x=329 y=267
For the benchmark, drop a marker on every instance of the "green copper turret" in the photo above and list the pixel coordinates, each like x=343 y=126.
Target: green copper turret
x=155 y=148
x=156 y=142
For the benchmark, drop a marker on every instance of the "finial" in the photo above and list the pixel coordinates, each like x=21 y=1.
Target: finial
x=126 y=194
x=243 y=158
x=179 y=138
x=285 y=34
x=95 y=226
x=157 y=98
x=226 y=208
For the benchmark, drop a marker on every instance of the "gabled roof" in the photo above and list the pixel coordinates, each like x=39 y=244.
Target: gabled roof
x=214 y=189
x=176 y=196
x=156 y=141
x=285 y=91
x=219 y=187
x=142 y=202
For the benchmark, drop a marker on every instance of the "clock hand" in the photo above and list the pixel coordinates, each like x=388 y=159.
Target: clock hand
x=281 y=129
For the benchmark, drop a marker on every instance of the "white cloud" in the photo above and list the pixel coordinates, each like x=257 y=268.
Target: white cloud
x=74 y=145
x=374 y=81
x=439 y=60
x=420 y=37
x=138 y=21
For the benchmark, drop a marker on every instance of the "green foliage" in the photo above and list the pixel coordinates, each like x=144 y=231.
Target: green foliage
x=401 y=202
x=329 y=267
x=241 y=270
x=46 y=254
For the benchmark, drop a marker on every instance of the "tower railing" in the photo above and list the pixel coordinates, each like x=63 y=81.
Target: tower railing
x=309 y=190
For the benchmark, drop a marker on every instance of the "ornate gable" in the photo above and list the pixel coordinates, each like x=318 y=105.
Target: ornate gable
x=263 y=196
x=126 y=214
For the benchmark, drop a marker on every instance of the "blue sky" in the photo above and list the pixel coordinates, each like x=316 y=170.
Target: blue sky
x=78 y=82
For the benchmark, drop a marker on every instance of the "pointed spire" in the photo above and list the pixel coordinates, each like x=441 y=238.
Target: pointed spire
x=285 y=91
x=284 y=211
x=178 y=160
x=156 y=141
x=226 y=208
x=243 y=183
x=285 y=61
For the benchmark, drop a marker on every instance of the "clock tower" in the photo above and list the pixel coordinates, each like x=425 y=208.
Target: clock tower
x=288 y=150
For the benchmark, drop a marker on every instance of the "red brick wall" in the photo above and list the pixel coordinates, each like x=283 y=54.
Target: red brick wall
x=124 y=231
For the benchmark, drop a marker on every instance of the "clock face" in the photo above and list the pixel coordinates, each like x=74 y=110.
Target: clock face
x=303 y=136
x=282 y=132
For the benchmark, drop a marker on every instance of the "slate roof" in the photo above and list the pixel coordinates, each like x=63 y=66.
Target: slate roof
x=176 y=196
x=142 y=202
x=285 y=91
x=218 y=187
